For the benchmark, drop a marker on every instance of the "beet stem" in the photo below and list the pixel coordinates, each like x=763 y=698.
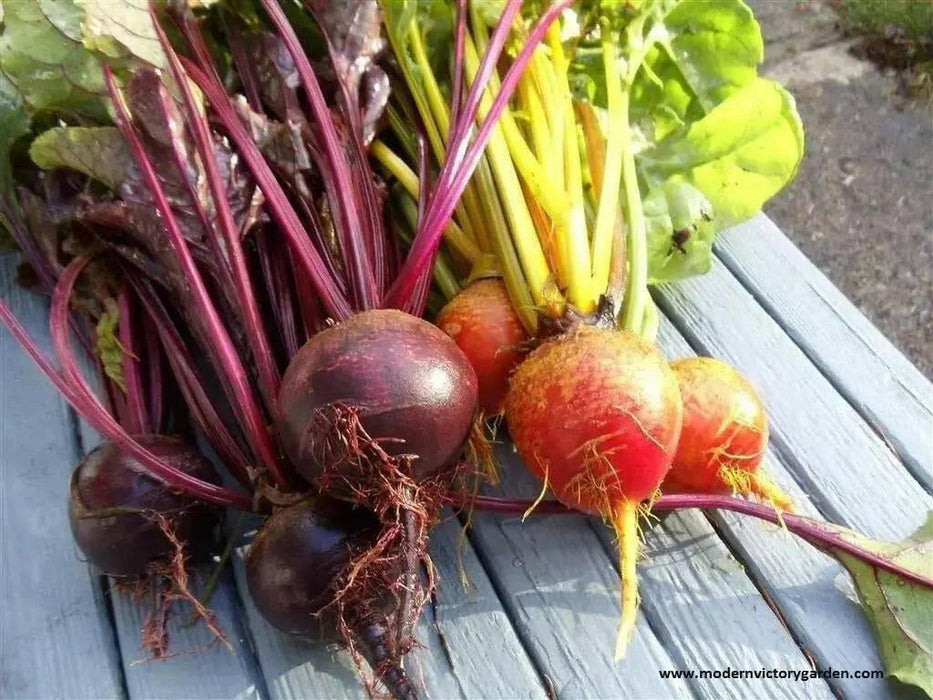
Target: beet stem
x=809 y=529
x=227 y=360
x=367 y=296
x=242 y=282
x=138 y=421
x=86 y=403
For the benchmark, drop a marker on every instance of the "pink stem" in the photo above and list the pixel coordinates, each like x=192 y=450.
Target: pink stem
x=89 y=407
x=277 y=201
x=137 y=419
x=243 y=285
x=359 y=262
x=225 y=351
x=809 y=529
x=459 y=44
x=196 y=399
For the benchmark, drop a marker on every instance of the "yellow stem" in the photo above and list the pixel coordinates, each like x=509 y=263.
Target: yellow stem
x=533 y=262
x=468 y=209
x=548 y=193
x=454 y=236
x=612 y=173
x=625 y=523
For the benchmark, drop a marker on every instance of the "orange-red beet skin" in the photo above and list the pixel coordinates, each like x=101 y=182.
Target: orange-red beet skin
x=725 y=427
x=599 y=403
x=485 y=327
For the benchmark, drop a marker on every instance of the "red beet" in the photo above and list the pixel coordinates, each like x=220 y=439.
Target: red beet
x=115 y=502
x=412 y=388
x=300 y=563
x=295 y=564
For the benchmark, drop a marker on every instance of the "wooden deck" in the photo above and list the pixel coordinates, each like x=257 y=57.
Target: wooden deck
x=852 y=441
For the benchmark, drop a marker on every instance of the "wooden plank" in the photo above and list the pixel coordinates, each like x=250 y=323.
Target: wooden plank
x=55 y=636
x=709 y=614
x=810 y=589
x=832 y=452
x=882 y=384
x=198 y=667
x=470 y=649
x=561 y=591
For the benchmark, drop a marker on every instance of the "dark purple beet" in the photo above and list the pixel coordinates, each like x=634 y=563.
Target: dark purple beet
x=295 y=564
x=415 y=390
x=125 y=543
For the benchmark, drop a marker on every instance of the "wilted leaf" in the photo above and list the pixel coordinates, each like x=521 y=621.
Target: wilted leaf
x=109 y=348
x=353 y=30
x=98 y=152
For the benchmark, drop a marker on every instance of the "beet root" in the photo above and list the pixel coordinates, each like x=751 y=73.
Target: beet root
x=115 y=506
x=396 y=379
x=314 y=570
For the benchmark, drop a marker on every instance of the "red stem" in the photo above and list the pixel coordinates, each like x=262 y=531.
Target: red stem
x=196 y=399
x=809 y=529
x=360 y=265
x=237 y=380
x=76 y=391
x=253 y=325
x=459 y=44
x=136 y=419
x=276 y=199
x=154 y=365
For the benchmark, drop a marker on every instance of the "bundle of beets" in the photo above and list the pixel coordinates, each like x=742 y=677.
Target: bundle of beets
x=244 y=285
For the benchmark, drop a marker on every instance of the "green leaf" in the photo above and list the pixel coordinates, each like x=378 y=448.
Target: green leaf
x=900 y=610
x=109 y=348
x=99 y=152
x=42 y=55
x=739 y=155
x=680 y=232
x=14 y=123
x=120 y=30
x=707 y=51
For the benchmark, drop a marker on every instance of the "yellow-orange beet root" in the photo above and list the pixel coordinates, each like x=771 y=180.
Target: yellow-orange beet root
x=596 y=415
x=484 y=326
x=724 y=436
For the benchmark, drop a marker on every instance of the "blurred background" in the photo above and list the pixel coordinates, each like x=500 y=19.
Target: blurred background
x=861 y=207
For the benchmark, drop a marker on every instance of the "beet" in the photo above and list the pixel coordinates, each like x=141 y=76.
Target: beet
x=300 y=563
x=412 y=388
x=297 y=559
x=114 y=502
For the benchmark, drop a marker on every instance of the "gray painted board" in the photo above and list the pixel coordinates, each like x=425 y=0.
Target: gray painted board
x=196 y=669
x=562 y=592
x=810 y=589
x=466 y=639
x=708 y=613
x=199 y=667
x=835 y=455
x=862 y=364
x=55 y=637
